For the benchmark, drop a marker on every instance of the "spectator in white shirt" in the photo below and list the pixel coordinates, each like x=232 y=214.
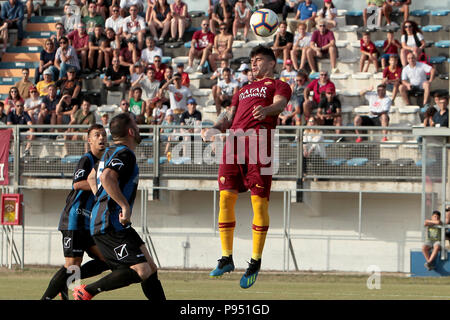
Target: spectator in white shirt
x=224 y=90
x=288 y=74
x=115 y=21
x=301 y=44
x=329 y=13
x=150 y=52
x=379 y=107
x=134 y=26
x=414 y=79
x=178 y=95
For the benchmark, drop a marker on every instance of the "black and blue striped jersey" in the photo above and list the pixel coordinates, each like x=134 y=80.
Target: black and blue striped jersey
x=76 y=213
x=105 y=213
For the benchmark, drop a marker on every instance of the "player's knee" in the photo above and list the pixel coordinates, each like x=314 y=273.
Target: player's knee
x=143 y=270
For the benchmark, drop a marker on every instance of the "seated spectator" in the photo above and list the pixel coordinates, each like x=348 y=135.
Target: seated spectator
x=298 y=95
x=328 y=13
x=433 y=239
x=379 y=107
x=3 y=116
x=130 y=55
x=178 y=94
x=394 y=5
x=4 y=36
x=306 y=13
x=223 y=47
x=282 y=42
x=160 y=19
x=149 y=85
x=413 y=41
x=390 y=47
x=368 y=52
x=110 y=46
x=47 y=115
x=168 y=75
x=95 y=54
x=414 y=79
x=69 y=20
x=137 y=71
x=65 y=110
x=150 y=52
x=225 y=90
x=115 y=21
x=242 y=78
x=125 y=7
x=440 y=118
x=47 y=61
x=392 y=76
x=13 y=98
x=288 y=74
x=190 y=118
x=115 y=79
x=42 y=86
x=60 y=33
x=33 y=104
x=218 y=74
x=81 y=116
x=20 y=116
x=428 y=119
x=290 y=115
x=137 y=105
x=134 y=27
x=12 y=12
x=201 y=46
x=66 y=57
x=301 y=44
x=313 y=148
x=102 y=9
x=318 y=86
x=290 y=6
x=72 y=84
x=159 y=67
x=180 y=20
x=34 y=8
x=322 y=46
x=185 y=81
x=242 y=14
x=168 y=133
x=24 y=84
x=84 y=8
x=373 y=5
x=222 y=13
x=329 y=111
x=80 y=42
x=159 y=110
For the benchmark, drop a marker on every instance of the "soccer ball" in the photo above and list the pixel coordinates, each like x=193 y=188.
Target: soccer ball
x=264 y=22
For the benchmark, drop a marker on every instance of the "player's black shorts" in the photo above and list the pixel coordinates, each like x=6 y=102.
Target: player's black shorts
x=121 y=248
x=76 y=242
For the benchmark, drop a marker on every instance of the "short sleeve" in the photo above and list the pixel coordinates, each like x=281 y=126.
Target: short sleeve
x=283 y=89
x=122 y=163
x=235 y=99
x=83 y=169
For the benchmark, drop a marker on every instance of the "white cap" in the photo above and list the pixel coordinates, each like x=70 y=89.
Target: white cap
x=169 y=112
x=243 y=67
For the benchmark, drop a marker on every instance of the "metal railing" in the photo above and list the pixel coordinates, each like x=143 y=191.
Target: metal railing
x=54 y=154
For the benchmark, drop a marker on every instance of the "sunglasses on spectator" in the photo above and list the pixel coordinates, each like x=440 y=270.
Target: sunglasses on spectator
x=125 y=103
x=13 y=91
x=19 y=105
x=115 y=10
x=33 y=91
x=62 y=42
x=321 y=25
x=59 y=28
x=323 y=74
x=408 y=26
x=156 y=60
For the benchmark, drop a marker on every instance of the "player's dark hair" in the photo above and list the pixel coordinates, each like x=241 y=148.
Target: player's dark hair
x=95 y=126
x=119 y=125
x=265 y=51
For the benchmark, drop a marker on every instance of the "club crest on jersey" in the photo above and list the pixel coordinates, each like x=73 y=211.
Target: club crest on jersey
x=79 y=173
x=253 y=92
x=116 y=163
x=222 y=179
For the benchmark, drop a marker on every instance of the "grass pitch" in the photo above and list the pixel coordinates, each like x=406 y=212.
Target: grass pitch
x=30 y=283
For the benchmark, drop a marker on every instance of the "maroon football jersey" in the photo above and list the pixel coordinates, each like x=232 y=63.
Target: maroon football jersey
x=257 y=93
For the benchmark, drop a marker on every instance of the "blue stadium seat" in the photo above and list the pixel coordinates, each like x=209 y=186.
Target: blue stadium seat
x=379 y=43
x=9 y=81
x=439 y=13
x=187 y=44
x=437 y=60
x=3 y=96
x=419 y=13
x=442 y=44
x=432 y=28
x=357 y=162
x=357 y=13
x=33 y=49
x=70 y=159
x=45 y=19
x=314 y=76
x=166 y=59
x=180 y=160
x=39 y=34
x=430 y=162
x=162 y=160
x=335 y=162
x=11 y=159
x=280 y=61
x=18 y=65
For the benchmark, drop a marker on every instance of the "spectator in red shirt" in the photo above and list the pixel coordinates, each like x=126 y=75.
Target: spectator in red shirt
x=201 y=46
x=368 y=52
x=390 y=47
x=130 y=55
x=322 y=46
x=185 y=81
x=319 y=87
x=79 y=39
x=159 y=67
x=392 y=76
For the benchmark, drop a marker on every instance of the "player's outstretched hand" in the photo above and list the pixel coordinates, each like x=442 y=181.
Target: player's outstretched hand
x=124 y=216
x=259 y=112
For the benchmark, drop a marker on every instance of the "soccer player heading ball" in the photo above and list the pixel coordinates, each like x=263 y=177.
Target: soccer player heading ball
x=251 y=121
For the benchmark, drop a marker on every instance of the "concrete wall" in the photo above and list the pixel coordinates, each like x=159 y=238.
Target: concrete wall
x=324 y=230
